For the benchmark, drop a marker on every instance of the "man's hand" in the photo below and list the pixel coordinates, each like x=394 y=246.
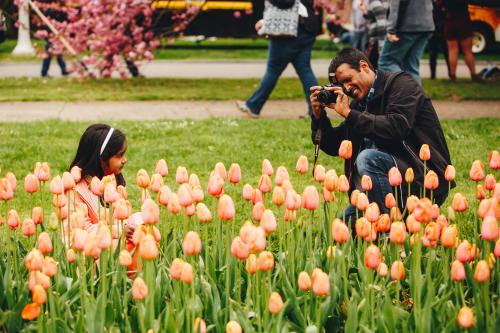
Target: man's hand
x=392 y=38
x=342 y=105
x=258 y=25
x=316 y=106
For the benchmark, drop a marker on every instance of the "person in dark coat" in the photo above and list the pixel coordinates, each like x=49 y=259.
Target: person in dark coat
x=388 y=121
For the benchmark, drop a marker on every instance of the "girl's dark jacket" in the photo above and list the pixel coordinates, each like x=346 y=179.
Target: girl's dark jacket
x=399 y=118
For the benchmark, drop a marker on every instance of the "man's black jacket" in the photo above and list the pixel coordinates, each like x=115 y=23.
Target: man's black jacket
x=399 y=118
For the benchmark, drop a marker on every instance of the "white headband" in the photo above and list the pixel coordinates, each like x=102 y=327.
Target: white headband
x=106 y=140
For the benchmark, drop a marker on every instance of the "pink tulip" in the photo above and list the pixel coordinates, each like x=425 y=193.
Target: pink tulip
x=459 y=203
x=382 y=269
x=384 y=223
x=121 y=210
x=76 y=173
x=142 y=179
x=187 y=273
x=251 y=264
x=34 y=260
x=268 y=221
x=395 y=177
x=258 y=211
x=267 y=168
x=265 y=261
x=248 y=192
x=345 y=149
x=449 y=173
x=13 y=219
x=124 y=258
x=331 y=180
x=96 y=186
x=464 y=250
x=372 y=257
x=110 y=194
x=156 y=182
x=163 y=195
x=425 y=152
x=494 y=160
x=215 y=186
x=362 y=202
x=477 y=171
x=234 y=175
x=304 y=282
x=28 y=228
x=465 y=317
x=199 y=326
x=366 y=183
x=181 y=175
x=278 y=196
x=203 y=213
x=49 y=266
x=398 y=233
x=150 y=212
x=239 y=248
x=281 y=175
x=457 y=271
x=139 y=289
x=397 y=270
x=319 y=173
x=173 y=205
x=184 y=195
x=321 y=284
x=343 y=184
x=489 y=229
x=161 y=168
x=390 y=201
x=265 y=185
x=42 y=171
x=233 y=327
x=176 y=268
x=482 y=272
x=78 y=239
x=372 y=212
x=362 y=227
x=68 y=181
x=70 y=256
x=56 y=186
x=275 y=303
x=449 y=236
x=148 y=249
x=44 y=243
x=489 y=182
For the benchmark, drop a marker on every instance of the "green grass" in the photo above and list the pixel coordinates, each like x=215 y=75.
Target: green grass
x=222 y=48
x=199 y=145
x=151 y=89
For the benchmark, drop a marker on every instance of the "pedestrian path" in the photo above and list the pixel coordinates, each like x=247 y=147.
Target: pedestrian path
x=156 y=110
x=230 y=69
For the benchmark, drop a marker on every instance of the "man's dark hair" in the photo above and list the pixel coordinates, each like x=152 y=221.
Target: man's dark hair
x=349 y=56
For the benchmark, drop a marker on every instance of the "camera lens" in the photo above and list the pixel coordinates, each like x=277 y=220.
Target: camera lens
x=326 y=96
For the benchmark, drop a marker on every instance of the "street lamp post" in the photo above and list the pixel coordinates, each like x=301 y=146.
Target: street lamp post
x=23 y=46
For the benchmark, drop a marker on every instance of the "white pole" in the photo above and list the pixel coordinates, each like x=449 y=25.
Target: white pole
x=23 y=46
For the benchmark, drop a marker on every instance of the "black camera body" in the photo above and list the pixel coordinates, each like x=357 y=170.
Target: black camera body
x=326 y=96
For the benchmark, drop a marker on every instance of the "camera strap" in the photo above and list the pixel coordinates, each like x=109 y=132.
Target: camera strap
x=317 y=138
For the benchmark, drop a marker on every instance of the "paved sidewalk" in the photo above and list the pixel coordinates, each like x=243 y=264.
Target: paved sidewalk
x=155 y=110
x=221 y=69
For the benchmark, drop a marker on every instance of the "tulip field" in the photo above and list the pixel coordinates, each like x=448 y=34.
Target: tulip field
x=238 y=236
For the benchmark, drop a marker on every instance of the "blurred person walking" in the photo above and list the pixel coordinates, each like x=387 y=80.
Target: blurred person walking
x=54 y=12
x=458 y=32
x=375 y=14
x=284 y=50
x=437 y=43
x=409 y=27
x=360 y=29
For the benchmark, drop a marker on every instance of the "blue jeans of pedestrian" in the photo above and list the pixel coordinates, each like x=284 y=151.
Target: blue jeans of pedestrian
x=281 y=52
x=376 y=164
x=48 y=59
x=405 y=54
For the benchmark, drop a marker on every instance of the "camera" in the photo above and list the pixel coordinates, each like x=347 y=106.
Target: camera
x=327 y=96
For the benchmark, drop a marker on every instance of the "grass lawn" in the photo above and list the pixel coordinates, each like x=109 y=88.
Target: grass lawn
x=222 y=48
x=35 y=89
x=199 y=145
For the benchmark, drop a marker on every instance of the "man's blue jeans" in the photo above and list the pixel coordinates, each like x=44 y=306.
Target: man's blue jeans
x=376 y=164
x=405 y=54
x=281 y=52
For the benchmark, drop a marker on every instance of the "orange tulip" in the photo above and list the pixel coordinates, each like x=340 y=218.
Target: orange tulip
x=291 y=200
x=362 y=227
x=490 y=182
x=78 y=240
x=398 y=233
x=225 y=208
x=44 y=243
x=494 y=160
x=482 y=272
x=423 y=211
x=251 y=264
x=150 y=212
x=412 y=224
x=431 y=180
x=121 y=210
x=6 y=190
x=497 y=248
x=49 y=266
x=191 y=244
x=354 y=197
x=34 y=260
x=362 y=202
x=187 y=273
x=56 y=185
x=31 y=183
x=395 y=177
x=148 y=249
x=465 y=317
x=268 y=221
x=345 y=149
x=175 y=268
x=321 y=284
x=383 y=223
x=265 y=185
x=76 y=173
x=382 y=269
x=390 y=201
x=267 y=168
x=310 y=198
x=340 y=231
x=372 y=212
x=477 y=171
x=302 y=164
x=409 y=175
x=68 y=181
x=31 y=311
x=366 y=183
x=139 y=289
x=233 y=327
x=199 y=326
x=239 y=248
x=397 y=270
x=124 y=258
x=42 y=171
x=459 y=203
x=184 y=195
x=161 y=168
x=432 y=231
x=28 y=228
x=457 y=271
x=234 y=176
x=319 y=173
x=275 y=303
x=425 y=152
x=281 y=175
x=480 y=192
x=372 y=257
x=181 y=175
x=489 y=207
x=96 y=186
x=464 y=251
x=203 y=213
x=343 y=184
x=248 y=192
x=220 y=169
x=449 y=236
x=71 y=256
x=278 y=196
x=156 y=182
x=163 y=195
x=304 y=281
x=215 y=186
x=449 y=173
x=110 y=194
x=411 y=203
x=265 y=261
x=489 y=228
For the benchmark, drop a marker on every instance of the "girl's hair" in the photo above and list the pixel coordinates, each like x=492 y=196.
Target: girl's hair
x=88 y=155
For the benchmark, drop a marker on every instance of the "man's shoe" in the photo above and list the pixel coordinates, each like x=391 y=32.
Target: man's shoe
x=242 y=106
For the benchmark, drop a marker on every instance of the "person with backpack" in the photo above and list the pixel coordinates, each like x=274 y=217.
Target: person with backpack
x=387 y=122
x=283 y=50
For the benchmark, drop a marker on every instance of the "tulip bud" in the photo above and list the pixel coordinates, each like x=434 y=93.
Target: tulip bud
x=398 y=233
x=278 y=196
x=321 y=284
x=459 y=203
x=477 y=171
x=139 y=289
x=148 y=248
x=187 y=273
x=331 y=180
x=275 y=303
x=31 y=183
x=343 y=184
x=265 y=184
x=199 y=326
x=28 y=228
x=304 y=281
x=239 y=249
x=39 y=295
x=42 y=171
x=457 y=271
x=71 y=256
x=425 y=152
x=449 y=236
x=431 y=180
x=449 y=173
x=382 y=269
x=225 y=208
x=96 y=186
x=161 y=168
x=372 y=257
x=56 y=185
x=30 y=311
x=345 y=149
x=143 y=179
x=265 y=261
x=489 y=228
x=366 y=183
x=268 y=221
x=234 y=173
x=494 y=160
x=397 y=270
x=76 y=173
x=267 y=168
x=203 y=213
x=302 y=165
x=372 y=212
x=181 y=175
x=465 y=317
x=482 y=272
x=390 y=201
x=310 y=198
x=383 y=223
x=191 y=244
x=176 y=268
x=44 y=243
x=150 y=212
x=409 y=176
x=68 y=181
x=319 y=173
x=251 y=264
x=233 y=327
x=340 y=231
